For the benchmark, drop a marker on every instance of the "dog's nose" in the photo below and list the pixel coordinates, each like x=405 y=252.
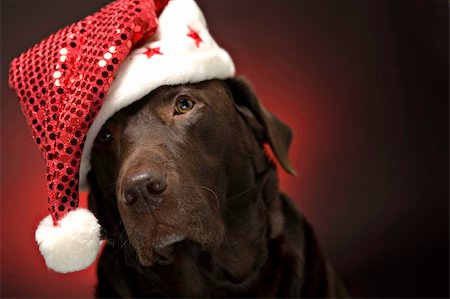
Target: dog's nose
x=144 y=185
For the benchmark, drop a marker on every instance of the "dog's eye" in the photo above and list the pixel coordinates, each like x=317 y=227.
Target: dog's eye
x=183 y=105
x=105 y=136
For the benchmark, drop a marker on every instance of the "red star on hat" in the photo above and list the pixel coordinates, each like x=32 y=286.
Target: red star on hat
x=153 y=51
x=194 y=35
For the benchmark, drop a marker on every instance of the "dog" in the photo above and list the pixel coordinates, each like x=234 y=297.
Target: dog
x=189 y=201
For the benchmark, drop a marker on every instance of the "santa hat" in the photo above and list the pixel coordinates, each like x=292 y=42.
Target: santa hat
x=73 y=81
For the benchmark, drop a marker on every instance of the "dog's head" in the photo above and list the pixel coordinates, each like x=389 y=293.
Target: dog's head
x=172 y=166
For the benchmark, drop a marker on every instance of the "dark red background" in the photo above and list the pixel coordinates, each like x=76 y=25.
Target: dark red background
x=364 y=86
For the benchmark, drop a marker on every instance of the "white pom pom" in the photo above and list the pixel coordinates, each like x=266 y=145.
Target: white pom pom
x=73 y=244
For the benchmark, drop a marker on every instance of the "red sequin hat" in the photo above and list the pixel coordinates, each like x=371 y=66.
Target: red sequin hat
x=70 y=83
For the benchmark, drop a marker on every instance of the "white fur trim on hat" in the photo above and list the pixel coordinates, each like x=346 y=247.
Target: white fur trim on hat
x=71 y=245
x=182 y=61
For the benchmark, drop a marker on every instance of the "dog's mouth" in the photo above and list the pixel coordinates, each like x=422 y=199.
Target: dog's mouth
x=157 y=236
x=161 y=251
x=168 y=240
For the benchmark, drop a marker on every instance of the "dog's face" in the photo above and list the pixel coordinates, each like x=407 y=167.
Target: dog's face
x=169 y=166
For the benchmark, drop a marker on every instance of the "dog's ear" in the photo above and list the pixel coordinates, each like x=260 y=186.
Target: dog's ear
x=266 y=126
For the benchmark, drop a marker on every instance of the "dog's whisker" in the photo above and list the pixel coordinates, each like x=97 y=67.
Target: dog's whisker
x=242 y=193
x=213 y=193
x=124 y=243
x=110 y=188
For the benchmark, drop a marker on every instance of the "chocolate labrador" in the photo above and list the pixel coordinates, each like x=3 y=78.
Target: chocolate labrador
x=189 y=200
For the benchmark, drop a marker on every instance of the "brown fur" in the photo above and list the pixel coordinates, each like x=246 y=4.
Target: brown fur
x=242 y=237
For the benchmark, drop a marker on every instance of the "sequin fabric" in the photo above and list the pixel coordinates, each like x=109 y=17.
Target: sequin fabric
x=62 y=80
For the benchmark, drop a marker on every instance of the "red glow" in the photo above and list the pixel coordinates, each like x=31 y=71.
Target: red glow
x=348 y=77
